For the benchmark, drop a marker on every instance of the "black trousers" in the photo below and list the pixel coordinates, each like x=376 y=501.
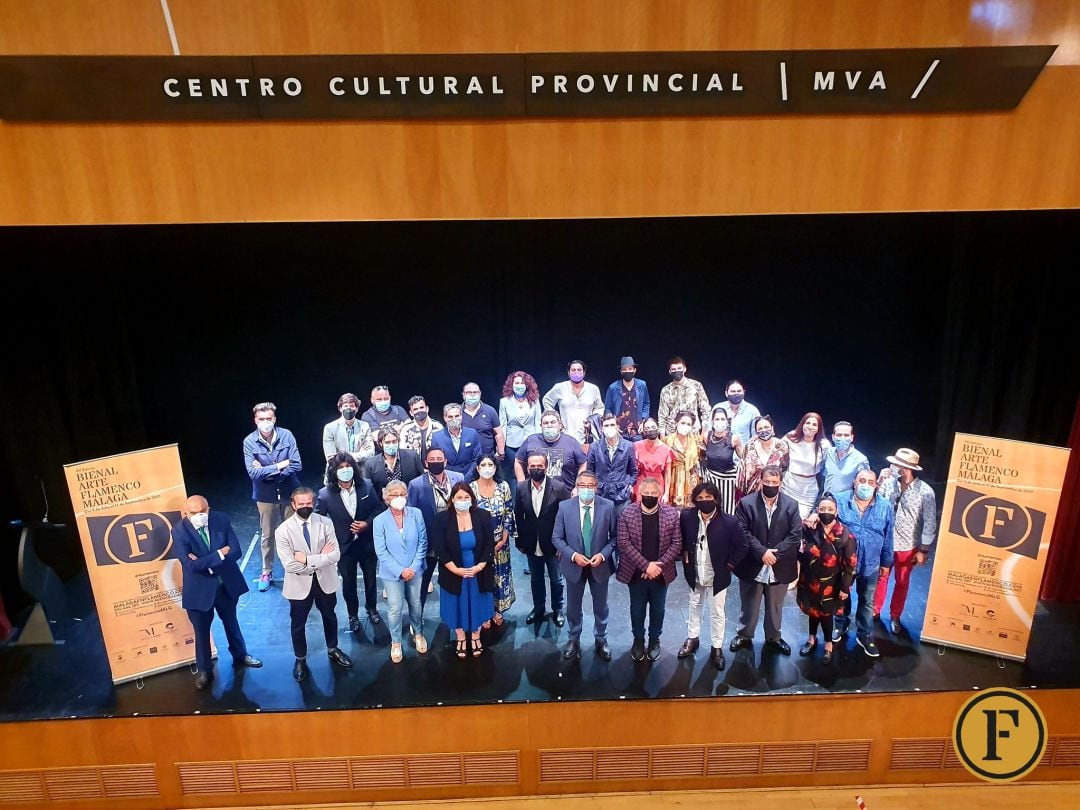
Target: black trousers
x=430 y=564
x=365 y=559
x=298 y=613
x=201 y=620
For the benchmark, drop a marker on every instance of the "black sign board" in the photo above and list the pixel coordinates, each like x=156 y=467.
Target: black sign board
x=552 y=85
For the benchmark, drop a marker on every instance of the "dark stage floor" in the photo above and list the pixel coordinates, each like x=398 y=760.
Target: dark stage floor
x=522 y=662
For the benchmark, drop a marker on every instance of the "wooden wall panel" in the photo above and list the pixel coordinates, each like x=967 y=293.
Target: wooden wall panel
x=158 y=173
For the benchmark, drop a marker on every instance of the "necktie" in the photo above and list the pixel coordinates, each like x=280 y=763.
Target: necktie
x=205 y=537
x=586 y=531
x=307 y=534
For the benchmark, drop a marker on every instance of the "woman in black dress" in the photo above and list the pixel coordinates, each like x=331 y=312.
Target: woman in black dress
x=718 y=460
x=828 y=561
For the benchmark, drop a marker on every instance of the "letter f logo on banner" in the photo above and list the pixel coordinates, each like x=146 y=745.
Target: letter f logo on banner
x=992 y=520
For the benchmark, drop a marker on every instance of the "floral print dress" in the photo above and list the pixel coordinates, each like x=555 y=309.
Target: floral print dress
x=828 y=562
x=501 y=507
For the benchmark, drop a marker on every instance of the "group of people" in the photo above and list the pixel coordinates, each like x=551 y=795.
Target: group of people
x=586 y=486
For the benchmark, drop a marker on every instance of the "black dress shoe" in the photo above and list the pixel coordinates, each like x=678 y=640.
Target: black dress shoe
x=689 y=647
x=558 y=618
x=202 y=681
x=637 y=652
x=781 y=646
x=808 y=647
x=718 y=658
x=247 y=661
x=300 y=671
x=374 y=617
x=531 y=618
x=572 y=651
x=739 y=642
x=826 y=657
x=603 y=650
x=339 y=658
x=654 y=649
x=354 y=624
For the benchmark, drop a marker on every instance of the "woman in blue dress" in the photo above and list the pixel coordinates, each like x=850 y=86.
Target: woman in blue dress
x=467 y=570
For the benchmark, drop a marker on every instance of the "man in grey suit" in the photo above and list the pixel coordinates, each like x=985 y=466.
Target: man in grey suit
x=771 y=524
x=585 y=536
x=308 y=549
x=349 y=434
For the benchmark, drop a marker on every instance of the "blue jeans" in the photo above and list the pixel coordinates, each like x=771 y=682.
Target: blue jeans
x=651 y=593
x=397 y=593
x=862 y=605
x=539 y=569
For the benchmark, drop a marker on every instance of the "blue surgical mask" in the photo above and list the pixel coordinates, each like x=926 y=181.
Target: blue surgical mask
x=345 y=474
x=472 y=399
x=463 y=506
x=390 y=449
x=519 y=390
x=843 y=444
x=864 y=492
x=586 y=495
x=382 y=406
x=550 y=434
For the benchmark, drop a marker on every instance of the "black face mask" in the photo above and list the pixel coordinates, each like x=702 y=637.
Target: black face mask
x=348 y=413
x=627 y=375
x=538 y=475
x=304 y=512
x=769 y=492
x=650 y=501
x=677 y=375
x=420 y=416
x=652 y=435
x=735 y=399
x=706 y=507
x=436 y=467
x=826 y=518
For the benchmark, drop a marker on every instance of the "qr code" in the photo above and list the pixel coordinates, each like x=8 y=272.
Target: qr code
x=988 y=568
x=148 y=584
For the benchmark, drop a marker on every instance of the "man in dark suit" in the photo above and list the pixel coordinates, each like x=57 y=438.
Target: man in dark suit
x=585 y=536
x=713 y=545
x=430 y=493
x=535 y=505
x=208 y=550
x=394 y=460
x=772 y=527
x=350 y=502
x=649 y=544
x=460 y=445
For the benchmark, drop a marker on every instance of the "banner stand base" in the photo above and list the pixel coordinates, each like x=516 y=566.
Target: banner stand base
x=36 y=630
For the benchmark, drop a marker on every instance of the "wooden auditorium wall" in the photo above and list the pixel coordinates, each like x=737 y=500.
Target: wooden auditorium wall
x=161 y=173
x=503 y=750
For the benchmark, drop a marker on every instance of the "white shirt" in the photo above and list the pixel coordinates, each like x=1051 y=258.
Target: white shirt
x=348 y=498
x=703 y=562
x=456 y=440
x=537 y=503
x=575 y=408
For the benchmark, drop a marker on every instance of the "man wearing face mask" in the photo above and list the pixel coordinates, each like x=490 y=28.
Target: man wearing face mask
x=417 y=432
x=742 y=413
x=842 y=461
x=430 y=493
x=628 y=399
x=350 y=502
x=870 y=519
x=613 y=463
x=564 y=455
x=772 y=528
x=207 y=548
x=460 y=445
x=915 y=509
x=535 y=506
x=713 y=545
x=307 y=547
x=272 y=461
x=394 y=463
x=585 y=535
x=348 y=434
x=484 y=419
x=681 y=394
x=649 y=544
x=383 y=413
x=575 y=400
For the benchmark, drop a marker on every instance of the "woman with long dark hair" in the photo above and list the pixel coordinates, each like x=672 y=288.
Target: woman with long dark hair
x=806 y=446
x=719 y=463
x=493 y=495
x=519 y=414
x=466 y=569
x=827 y=567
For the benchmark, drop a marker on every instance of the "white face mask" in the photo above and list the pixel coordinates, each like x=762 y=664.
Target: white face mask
x=611 y=432
x=486 y=472
x=398 y=503
x=266 y=426
x=200 y=519
x=683 y=429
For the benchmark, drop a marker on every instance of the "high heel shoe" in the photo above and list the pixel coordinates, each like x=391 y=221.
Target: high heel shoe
x=477 y=647
x=462 y=648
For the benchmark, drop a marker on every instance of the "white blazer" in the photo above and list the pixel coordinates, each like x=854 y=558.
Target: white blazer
x=289 y=538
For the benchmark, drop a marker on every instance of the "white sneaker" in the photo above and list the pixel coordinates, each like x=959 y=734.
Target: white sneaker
x=421 y=643
x=395 y=653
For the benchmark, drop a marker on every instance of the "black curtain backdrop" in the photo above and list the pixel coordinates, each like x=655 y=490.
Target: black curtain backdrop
x=911 y=326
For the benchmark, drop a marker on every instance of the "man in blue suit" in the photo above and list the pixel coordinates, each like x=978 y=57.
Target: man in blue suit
x=460 y=445
x=585 y=536
x=430 y=493
x=208 y=550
